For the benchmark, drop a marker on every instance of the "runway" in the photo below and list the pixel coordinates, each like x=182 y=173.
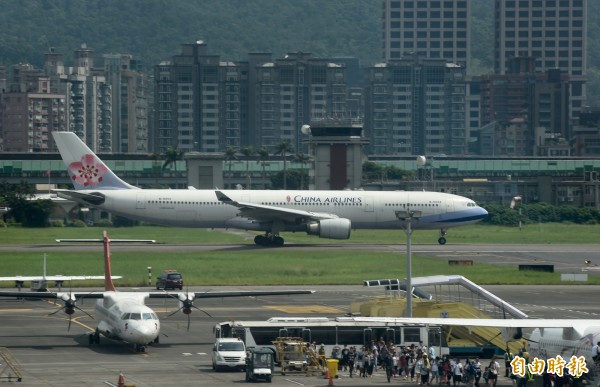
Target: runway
x=49 y=355
x=566 y=258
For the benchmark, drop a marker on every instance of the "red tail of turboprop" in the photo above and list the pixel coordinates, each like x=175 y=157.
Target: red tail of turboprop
x=108 y=284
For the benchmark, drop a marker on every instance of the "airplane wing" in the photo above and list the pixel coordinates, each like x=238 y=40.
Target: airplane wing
x=57 y=278
x=484 y=322
x=271 y=213
x=51 y=295
x=220 y=294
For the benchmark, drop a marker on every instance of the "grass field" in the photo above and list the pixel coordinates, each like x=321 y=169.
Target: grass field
x=545 y=233
x=278 y=266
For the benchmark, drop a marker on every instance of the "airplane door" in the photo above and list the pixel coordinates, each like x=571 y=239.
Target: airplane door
x=140 y=202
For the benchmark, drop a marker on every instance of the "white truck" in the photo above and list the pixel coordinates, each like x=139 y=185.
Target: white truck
x=229 y=353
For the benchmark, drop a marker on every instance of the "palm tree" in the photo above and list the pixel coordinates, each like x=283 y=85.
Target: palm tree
x=248 y=151
x=230 y=155
x=171 y=156
x=302 y=159
x=283 y=148
x=263 y=155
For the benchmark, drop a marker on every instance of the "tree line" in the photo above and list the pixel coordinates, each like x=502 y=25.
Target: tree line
x=36 y=213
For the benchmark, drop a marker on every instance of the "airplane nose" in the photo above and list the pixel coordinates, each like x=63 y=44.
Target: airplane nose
x=145 y=333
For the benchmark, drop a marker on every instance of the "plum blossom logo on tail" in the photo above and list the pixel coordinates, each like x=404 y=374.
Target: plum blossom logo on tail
x=88 y=172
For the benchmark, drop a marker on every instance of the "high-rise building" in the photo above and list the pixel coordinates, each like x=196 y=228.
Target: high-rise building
x=293 y=91
x=415 y=106
x=200 y=102
x=87 y=94
x=29 y=111
x=551 y=31
x=205 y=104
x=437 y=29
x=129 y=106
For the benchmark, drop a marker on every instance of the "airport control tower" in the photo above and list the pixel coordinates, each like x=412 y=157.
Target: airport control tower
x=337 y=150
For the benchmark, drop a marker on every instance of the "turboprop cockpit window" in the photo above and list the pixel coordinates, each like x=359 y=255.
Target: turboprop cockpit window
x=136 y=316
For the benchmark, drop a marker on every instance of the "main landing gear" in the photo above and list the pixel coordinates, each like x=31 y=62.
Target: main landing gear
x=269 y=240
x=94 y=338
x=140 y=348
x=442 y=238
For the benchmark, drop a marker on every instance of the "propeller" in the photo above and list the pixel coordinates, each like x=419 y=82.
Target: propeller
x=69 y=307
x=186 y=301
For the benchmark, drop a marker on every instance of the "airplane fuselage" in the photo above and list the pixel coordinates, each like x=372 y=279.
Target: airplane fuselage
x=124 y=316
x=364 y=209
x=576 y=341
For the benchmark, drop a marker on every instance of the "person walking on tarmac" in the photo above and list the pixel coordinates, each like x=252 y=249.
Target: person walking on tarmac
x=351 y=357
x=508 y=356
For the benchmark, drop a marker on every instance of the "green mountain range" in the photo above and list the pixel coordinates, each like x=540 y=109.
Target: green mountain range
x=152 y=30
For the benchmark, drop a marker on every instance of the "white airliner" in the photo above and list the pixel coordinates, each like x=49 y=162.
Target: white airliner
x=549 y=338
x=328 y=214
x=124 y=315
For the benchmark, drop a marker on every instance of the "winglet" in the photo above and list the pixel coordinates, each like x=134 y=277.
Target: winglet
x=108 y=284
x=86 y=170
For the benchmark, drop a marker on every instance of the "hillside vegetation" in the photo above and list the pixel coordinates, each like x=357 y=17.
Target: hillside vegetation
x=152 y=30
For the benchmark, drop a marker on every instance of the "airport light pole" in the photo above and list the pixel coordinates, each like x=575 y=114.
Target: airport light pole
x=407 y=217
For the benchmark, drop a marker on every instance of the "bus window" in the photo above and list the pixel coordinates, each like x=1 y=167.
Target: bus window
x=283 y=333
x=326 y=335
x=367 y=336
x=349 y=335
x=412 y=335
x=390 y=336
x=306 y=335
x=265 y=335
x=240 y=333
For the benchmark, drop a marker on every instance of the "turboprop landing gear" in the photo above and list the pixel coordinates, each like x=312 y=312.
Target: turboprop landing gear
x=269 y=240
x=442 y=238
x=94 y=338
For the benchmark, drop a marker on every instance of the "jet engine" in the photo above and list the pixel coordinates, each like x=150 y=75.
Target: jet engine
x=512 y=334
x=338 y=228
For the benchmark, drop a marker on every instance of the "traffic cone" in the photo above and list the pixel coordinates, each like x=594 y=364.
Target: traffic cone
x=327 y=376
x=121 y=382
x=330 y=381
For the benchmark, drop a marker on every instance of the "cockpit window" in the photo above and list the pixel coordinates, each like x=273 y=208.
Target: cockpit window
x=136 y=316
x=125 y=316
x=147 y=316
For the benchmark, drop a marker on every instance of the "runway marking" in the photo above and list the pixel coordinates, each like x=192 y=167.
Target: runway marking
x=15 y=310
x=305 y=309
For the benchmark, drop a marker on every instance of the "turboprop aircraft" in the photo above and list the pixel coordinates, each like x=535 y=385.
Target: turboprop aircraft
x=328 y=214
x=124 y=315
x=548 y=339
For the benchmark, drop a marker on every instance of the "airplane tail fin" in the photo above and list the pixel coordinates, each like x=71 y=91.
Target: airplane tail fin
x=86 y=170
x=108 y=284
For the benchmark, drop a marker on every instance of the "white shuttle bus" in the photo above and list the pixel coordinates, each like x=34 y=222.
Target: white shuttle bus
x=334 y=332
